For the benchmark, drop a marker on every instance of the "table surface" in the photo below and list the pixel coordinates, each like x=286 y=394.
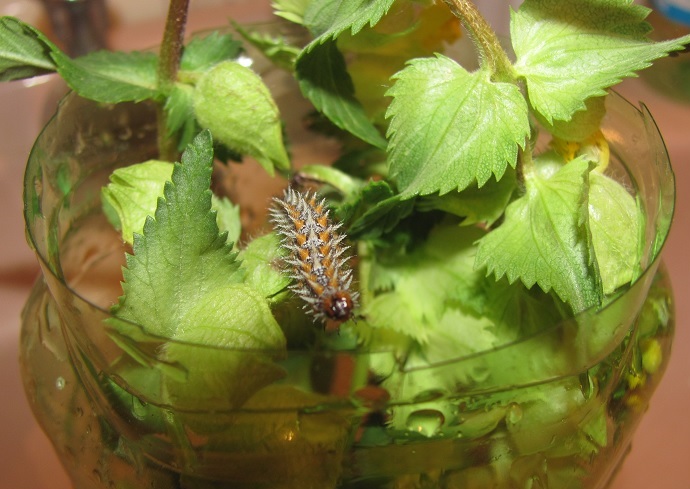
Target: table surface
x=659 y=457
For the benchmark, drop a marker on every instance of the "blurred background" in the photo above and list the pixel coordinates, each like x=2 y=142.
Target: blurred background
x=659 y=457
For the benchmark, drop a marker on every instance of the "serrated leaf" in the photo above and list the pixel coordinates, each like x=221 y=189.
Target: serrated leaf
x=180 y=257
x=24 y=51
x=202 y=53
x=233 y=102
x=518 y=312
x=111 y=77
x=326 y=19
x=184 y=283
x=132 y=196
x=544 y=239
x=450 y=128
x=321 y=68
x=424 y=282
x=571 y=51
x=324 y=80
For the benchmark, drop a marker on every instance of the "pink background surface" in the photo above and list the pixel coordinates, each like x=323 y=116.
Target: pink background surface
x=660 y=455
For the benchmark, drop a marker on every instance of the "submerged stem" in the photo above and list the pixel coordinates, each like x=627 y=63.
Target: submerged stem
x=169 y=65
x=491 y=54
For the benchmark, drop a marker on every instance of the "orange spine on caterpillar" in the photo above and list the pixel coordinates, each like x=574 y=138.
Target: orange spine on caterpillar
x=317 y=260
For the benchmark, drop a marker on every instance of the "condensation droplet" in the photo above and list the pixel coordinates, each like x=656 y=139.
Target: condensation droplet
x=425 y=421
x=514 y=414
x=60 y=383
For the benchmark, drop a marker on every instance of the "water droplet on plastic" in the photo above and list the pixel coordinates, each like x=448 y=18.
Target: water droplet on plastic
x=425 y=421
x=60 y=383
x=514 y=414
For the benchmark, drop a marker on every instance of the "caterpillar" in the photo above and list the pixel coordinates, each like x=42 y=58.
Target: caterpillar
x=317 y=259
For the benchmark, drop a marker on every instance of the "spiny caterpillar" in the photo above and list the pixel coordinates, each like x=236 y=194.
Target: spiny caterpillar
x=317 y=265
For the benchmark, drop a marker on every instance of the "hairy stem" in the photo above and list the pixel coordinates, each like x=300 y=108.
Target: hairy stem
x=491 y=54
x=169 y=65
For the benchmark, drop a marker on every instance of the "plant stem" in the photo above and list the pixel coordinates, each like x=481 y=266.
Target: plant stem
x=169 y=65
x=491 y=54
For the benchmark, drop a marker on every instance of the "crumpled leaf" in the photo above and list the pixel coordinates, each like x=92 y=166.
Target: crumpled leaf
x=132 y=196
x=261 y=260
x=415 y=289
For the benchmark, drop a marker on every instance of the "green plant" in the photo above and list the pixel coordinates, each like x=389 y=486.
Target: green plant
x=466 y=237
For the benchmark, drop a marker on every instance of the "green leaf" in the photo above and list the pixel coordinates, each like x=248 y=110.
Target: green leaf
x=24 y=51
x=476 y=205
x=133 y=193
x=451 y=128
x=544 y=238
x=233 y=320
x=179 y=106
x=233 y=102
x=327 y=19
x=324 y=80
x=111 y=77
x=260 y=260
x=132 y=196
x=228 y=217
x=276 y=48
x=571 y=51
x=292 y=10
x=614 y=220
x=518 y=312
x=372 y=209
x=421 y=285
x=582 y=125
x=180 y=257
x=345 y=183
x=183 y=282
x=202 y=53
